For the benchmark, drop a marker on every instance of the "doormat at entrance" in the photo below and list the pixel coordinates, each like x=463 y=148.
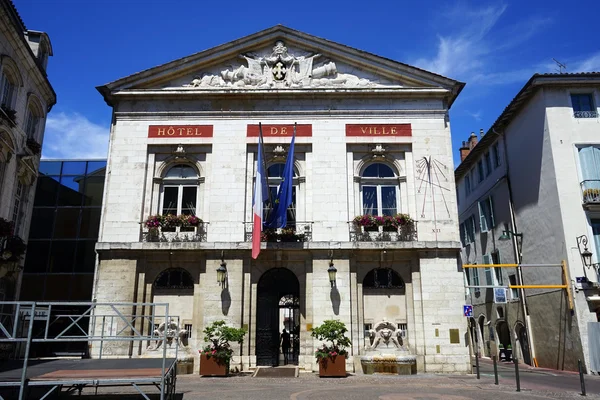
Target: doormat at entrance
x=276 y=372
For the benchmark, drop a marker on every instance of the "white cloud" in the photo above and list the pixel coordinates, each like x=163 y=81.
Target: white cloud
x=475 y=115
x=588 y=64
x=473 y=51
x=72 y=135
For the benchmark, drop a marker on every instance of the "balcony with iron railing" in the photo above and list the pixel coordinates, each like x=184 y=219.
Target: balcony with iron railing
x=585 y=114
x=369 y=228
x=296 y=232
x=175 y=234
x=590 y=192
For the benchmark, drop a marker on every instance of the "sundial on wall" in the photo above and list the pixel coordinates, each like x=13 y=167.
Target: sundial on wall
x=432 y=186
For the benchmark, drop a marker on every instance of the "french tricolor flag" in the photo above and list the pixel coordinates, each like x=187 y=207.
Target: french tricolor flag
x=261 y=193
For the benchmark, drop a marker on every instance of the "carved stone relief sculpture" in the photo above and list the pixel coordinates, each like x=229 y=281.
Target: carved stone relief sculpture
x=280 y=69
x=384 y=333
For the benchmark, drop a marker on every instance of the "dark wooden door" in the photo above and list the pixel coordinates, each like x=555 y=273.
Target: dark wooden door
x=267 y=334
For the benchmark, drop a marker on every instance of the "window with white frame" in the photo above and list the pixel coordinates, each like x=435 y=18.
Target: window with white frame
x=489 y=276
x=32 y=122
x=8 y=91
x=512 y=279
x=497 y=271
x=475 y=272
x=180 y=193
x=469 y=226
x=275 y=174
x=17 y=205
x=496 y=154
x=589 y=161
x=480 y=170
x=486 y=214
x=583 y=105
x=379 y=190
x=488 y=163
x=467 y=185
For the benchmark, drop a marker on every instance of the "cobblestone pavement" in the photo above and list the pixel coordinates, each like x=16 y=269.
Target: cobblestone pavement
x=381 y=387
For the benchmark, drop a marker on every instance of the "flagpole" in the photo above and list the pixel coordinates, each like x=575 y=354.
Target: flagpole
x=264 y=163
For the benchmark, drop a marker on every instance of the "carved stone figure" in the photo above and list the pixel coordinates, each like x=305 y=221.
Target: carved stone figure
x=385 y=332
x=280 y=69
x=173 y=334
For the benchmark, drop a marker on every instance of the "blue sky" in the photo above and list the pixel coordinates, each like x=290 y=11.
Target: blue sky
x=494 y=47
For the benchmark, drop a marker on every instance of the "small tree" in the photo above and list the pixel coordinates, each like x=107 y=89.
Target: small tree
x=219 y=336
x=333 y=332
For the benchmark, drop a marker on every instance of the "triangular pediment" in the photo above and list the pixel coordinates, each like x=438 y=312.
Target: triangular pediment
x=281 y=58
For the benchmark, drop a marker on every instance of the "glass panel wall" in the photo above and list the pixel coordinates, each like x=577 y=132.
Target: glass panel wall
x=64 y=230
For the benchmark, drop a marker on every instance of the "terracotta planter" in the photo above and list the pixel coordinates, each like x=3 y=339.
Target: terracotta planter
x=332 y=367
x=210 y=367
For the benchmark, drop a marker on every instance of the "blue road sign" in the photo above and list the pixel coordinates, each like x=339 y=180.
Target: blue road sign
x=468 y=310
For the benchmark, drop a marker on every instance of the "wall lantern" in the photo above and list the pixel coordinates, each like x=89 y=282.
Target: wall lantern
x=222 y=271
x=507 y=235
x=331 y=271
x=586 y=255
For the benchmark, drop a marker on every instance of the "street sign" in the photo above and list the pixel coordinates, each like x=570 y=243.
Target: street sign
x=468 y=310
x=500 y=295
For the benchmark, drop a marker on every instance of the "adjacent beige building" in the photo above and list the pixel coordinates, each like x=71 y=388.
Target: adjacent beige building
x=26 y=96
x=373 y=138
x=528 y=193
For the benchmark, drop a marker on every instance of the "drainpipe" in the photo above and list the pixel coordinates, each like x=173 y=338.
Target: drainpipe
x=517 y=248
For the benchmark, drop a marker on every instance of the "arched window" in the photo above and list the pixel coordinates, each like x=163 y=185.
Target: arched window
x=380 y=190
x=383 y=278
x=8 y=93
x=275 y=174
x=32 y=119
x=180 y=192
x=174 y=278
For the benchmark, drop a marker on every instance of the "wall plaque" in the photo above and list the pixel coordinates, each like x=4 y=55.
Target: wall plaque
x=378 y=130
x=179 y=131
x=280 y=130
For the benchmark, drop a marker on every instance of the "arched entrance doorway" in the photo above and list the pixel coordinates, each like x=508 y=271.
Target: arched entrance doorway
x=504 y=339
x=277 y=307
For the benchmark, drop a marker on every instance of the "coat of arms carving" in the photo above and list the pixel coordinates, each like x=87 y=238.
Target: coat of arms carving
x=280 y=69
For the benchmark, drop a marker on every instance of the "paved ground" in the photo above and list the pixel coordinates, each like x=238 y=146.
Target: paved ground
x=381 y=387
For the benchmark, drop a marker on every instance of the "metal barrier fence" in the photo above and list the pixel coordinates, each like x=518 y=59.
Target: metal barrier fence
x=94 y=323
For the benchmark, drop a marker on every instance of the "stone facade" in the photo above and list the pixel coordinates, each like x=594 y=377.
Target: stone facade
x=26 y=96
x=233 y=87
x=538 y=189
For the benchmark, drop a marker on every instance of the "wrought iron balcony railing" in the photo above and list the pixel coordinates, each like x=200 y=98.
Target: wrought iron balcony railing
x=176 y=234
x=298 y=231
x=590 y=191
x=585 y=114
x=403 y=233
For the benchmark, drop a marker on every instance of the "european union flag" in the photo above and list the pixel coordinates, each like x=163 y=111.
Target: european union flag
x=283 y=200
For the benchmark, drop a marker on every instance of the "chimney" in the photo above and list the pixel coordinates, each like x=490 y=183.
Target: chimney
x=467 y=146
x=481 y=133
x=464 y=151
x=473 y=140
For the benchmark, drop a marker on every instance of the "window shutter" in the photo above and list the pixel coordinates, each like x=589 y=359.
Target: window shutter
x=492 y=223
x=482 y=222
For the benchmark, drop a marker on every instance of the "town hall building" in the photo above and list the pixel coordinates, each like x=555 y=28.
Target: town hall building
x=372 y=233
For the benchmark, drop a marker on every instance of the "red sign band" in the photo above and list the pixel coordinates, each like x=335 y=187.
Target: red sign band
x=179 y=131
x=280 y=130
x=379 y=130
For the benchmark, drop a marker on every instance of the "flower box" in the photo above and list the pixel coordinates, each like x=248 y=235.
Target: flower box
x=209 y=366
x=332 y=367
x=282 y=235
